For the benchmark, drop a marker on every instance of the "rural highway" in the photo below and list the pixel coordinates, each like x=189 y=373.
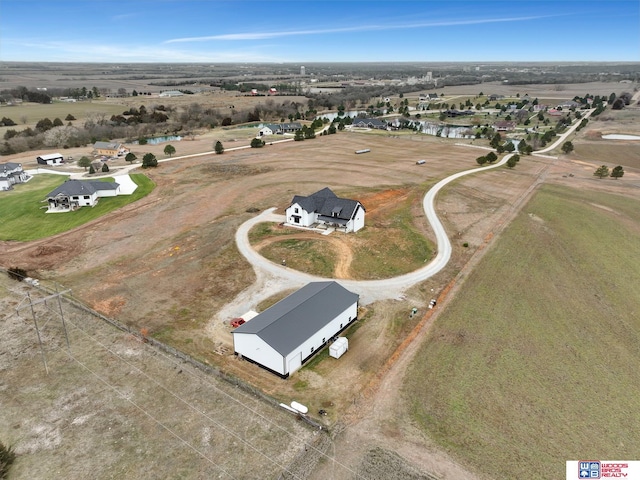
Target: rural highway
x=272 y=277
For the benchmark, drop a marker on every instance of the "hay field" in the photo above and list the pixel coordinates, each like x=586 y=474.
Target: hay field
x=536 y=360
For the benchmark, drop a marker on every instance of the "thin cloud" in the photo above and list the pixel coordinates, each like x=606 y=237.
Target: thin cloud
x=363 y=28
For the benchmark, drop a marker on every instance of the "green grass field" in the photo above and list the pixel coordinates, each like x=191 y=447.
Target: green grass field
x=537 y=359
x=23 y=212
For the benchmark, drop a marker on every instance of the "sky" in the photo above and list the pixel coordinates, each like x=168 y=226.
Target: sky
x=218 y=31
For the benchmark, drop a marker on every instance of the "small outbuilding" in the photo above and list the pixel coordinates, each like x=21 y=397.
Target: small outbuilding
x=50 y=159
x=339 y=347
x=283 y=337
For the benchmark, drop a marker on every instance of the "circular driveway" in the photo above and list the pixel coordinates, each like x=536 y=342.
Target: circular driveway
x=272 y=278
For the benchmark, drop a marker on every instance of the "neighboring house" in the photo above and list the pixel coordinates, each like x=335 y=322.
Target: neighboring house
x=110 y=149
x=283 y=337
x=369 y=123
x=270 y=129
x=569 y=104
x=171 y=93
x=74 y=194
x=279 y=128
x=51 y=159
x=494 y=97
x=325 y=208
x=431 y=96
x=11 y=174
x=504 y=126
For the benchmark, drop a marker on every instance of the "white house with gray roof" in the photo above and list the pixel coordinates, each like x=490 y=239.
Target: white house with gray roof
x=74 y=194
x=11 y=174
x=283 y=337
x=325 y=208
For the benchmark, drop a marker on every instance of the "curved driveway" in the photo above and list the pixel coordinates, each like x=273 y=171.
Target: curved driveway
x=369 y=290
x=272 y=277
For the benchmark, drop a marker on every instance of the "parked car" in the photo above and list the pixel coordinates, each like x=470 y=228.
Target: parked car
x=432 y=303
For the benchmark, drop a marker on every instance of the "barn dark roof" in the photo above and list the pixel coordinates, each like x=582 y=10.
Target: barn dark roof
x=325 y=203
x=294 y=319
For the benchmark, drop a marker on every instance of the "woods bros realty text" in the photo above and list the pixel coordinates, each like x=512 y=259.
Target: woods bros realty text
x=603 y=469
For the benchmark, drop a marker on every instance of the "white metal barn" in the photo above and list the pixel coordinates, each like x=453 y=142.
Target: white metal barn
x=50 y=159
x=290 y=332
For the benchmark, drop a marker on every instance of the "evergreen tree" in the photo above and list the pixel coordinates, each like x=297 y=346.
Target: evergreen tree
x=602 y=171
x=617 y=172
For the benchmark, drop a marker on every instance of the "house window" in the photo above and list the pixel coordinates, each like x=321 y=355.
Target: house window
x=311 y=349
x=324 y=339
x=340 y=325
x=86 y=197
x=296 y=210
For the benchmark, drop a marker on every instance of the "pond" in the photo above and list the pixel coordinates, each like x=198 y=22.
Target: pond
x=157 y=140
x=619 y=136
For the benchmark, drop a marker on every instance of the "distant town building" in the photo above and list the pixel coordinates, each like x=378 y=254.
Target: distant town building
x=302 y=71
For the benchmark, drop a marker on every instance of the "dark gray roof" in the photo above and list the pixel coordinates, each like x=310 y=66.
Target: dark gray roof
x=294 y=319
x=326 y=203
x=82 y=187
x=4 y=167
x=372 y=122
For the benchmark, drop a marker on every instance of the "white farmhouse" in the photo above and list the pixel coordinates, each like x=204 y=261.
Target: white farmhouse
x=74 y=194
x=11 y=174
x=283 y=337
x=324 y=208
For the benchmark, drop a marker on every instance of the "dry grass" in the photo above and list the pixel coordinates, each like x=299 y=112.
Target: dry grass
x=538 y=344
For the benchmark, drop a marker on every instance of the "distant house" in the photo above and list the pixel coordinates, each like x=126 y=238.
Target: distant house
x=369 y=123
x=283 y=337
x=51 y=159
x=325 y=209
x=428 y=97
x=279 y=128
x=74 y=194
x=504 y=126
x=273 y=91
x=12 y=174
x=569 y=104
x=493 y=97
x=110 y=149
x=171 y=93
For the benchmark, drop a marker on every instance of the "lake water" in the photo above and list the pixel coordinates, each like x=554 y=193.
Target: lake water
x=157 y=140
x=617 y=136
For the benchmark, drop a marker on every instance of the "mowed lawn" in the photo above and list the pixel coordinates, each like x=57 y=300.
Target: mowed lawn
x=537 y=359
x=24 y=216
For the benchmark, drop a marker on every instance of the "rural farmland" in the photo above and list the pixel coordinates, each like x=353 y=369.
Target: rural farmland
x=543 y=255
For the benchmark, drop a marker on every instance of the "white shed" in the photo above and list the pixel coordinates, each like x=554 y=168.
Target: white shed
x=50 y=159
x=283 y=337
x=339 y=347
